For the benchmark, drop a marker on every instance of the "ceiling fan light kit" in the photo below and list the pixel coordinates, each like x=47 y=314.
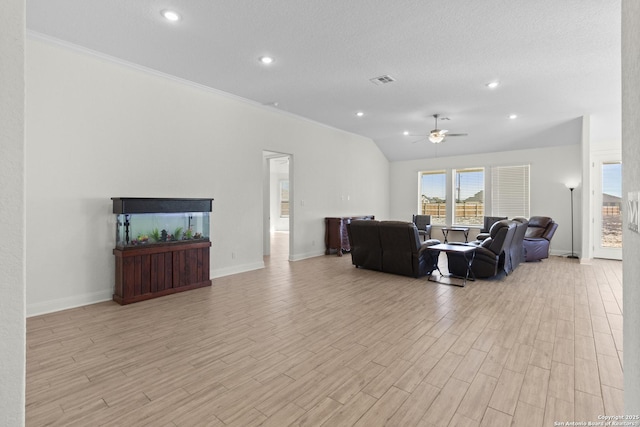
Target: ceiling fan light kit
x=438 y=135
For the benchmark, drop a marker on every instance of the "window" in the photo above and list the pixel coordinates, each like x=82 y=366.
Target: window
x=508 y=188
x=433 y=199
x=469 y=196
x=510 y=191
x=284 y=199
x=611 y=235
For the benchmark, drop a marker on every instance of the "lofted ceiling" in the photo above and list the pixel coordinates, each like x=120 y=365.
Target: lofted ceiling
x=556 y=60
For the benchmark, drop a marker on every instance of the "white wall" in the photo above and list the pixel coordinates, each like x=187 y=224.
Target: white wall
x=12 y=214
x=550 y=169
x=631 y=182
x=98 y=129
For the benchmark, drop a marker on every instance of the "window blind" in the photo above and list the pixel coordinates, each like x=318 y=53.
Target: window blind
x=510 y=191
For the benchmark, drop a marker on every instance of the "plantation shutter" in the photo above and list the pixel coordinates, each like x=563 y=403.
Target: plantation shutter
x=510 y=191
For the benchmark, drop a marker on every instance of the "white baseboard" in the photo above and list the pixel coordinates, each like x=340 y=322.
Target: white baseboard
x=107 y=295
x=69 y=302
x=299 y=257
x=60 y=304
x=236 y=269
x=557 y=252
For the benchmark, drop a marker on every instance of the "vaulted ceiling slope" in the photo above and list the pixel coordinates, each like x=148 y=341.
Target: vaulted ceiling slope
x=556 y=60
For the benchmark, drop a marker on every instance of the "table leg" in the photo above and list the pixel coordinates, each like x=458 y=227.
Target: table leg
x=469 y=271
x=445 y=233
x=435 y=264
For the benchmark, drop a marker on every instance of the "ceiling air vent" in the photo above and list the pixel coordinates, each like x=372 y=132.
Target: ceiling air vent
x=382 y=80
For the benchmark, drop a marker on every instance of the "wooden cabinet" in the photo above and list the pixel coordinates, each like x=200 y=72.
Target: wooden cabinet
x=335 y=236
x=145 y=272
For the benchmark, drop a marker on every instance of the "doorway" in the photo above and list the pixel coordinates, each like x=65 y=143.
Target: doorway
x=608 y=209
x=277 y=206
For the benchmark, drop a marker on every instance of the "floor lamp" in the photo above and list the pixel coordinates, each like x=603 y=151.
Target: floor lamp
x=573 y=254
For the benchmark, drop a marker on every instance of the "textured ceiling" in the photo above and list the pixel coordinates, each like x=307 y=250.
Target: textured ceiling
x=556 y=60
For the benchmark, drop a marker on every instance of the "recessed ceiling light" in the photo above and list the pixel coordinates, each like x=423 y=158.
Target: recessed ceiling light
x=513 y=116
x=359 y=114
x=170 y=15
x=405 y=133
x=266 y=59
x=493 y=85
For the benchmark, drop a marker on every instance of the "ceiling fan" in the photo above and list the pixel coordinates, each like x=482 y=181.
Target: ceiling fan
x=438 y=135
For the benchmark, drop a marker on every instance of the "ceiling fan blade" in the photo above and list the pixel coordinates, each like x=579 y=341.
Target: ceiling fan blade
x=457 y=134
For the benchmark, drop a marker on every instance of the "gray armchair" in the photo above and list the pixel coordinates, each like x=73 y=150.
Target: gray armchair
x=423 y=224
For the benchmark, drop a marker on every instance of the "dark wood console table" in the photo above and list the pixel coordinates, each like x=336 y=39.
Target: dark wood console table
x=335 y=236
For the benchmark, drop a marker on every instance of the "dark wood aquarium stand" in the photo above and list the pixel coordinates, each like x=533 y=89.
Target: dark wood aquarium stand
x=150 y=268
x=146 y=272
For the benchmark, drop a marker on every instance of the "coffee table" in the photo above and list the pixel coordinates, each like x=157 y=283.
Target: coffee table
x=465 y=230
x=467 y=251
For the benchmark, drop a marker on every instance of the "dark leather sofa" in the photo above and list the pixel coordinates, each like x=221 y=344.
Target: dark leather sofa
x=537 y=239
x=492 y=256
x=364 y=239
x=391 y=247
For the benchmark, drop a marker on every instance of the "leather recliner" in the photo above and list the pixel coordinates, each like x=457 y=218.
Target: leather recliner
x=491 y=255
x=537 y=239
x=488 y=223
x=391 y=247
x=516 y=249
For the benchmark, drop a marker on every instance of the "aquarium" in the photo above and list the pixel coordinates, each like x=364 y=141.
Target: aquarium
x=153 y=221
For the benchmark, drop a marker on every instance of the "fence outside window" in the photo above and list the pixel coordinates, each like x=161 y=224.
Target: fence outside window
x=470 y=213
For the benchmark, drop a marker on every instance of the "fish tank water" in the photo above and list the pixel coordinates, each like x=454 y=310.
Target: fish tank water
x=153 y=221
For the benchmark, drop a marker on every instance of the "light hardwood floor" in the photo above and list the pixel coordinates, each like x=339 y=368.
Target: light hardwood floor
x=319 y=342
